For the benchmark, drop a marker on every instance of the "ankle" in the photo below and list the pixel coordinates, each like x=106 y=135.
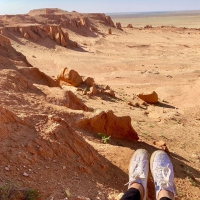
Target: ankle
x=139 y=187
x=165 y=193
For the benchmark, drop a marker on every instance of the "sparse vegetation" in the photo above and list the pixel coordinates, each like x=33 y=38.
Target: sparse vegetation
x=104 y=138
x=31 y=194
x=11 y=190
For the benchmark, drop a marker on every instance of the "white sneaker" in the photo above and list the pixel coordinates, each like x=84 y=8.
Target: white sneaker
x=162 y=172
x=139 y=169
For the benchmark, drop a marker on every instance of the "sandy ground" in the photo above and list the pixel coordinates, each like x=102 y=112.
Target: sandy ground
x=134 y=61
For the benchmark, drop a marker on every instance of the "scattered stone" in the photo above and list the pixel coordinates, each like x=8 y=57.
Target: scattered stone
x=7 y=168
x=138 y=102
x=25 y=174
x=129 y=103
x=112 y=93
x=88 y=81
x=162 y=145
x=159 y=143
x=84 y=92
x=107 y=87
x=149 y=97
x=169 y=76
x=93 y=90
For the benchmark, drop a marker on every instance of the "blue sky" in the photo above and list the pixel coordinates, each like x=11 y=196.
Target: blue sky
x=105 y=6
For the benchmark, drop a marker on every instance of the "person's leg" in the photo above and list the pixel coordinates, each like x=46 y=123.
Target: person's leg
x=163 y=175
x=138 y=175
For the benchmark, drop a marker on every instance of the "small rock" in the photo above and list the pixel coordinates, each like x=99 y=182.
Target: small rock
x=25 y=174
x=84 y=92
x=107 y=87
x=160 y=143
x=93 y=90
x=164 y=148
x=112 y=94
x=169 y=76
x=7 y=168
x=129 y=103
x=146 y=112
x=64 y=167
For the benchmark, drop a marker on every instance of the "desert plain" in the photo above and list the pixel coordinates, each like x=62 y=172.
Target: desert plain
x=71 y=117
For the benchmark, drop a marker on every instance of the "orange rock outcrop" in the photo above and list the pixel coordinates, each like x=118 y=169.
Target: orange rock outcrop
x=109 y=124
x=149 y=97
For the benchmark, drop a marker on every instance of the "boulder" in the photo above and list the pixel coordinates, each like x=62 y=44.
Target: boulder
x=69 y=76
x=149 y=97
x=109 y=124
x=88 y=81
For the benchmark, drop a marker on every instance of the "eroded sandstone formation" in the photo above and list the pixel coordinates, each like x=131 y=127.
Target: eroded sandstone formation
x=4 y=41
x=109 y=124
x=109 y=21
x=54 y=32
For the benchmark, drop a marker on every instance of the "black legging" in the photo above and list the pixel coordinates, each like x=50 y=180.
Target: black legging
x=134 y=194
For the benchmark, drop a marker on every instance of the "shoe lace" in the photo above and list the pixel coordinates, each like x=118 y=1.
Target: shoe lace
x=136 y=174
x=163 y=174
